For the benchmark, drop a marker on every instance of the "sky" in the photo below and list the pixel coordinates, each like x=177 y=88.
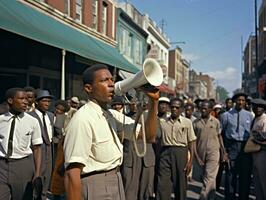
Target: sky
x=212 y=32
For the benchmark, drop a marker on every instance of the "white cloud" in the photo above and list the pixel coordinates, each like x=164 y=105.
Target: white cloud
x=229 y=78
x=191 y=57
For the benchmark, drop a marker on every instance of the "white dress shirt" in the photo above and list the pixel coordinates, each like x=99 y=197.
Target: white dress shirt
x=48 y=123
x=27 y=132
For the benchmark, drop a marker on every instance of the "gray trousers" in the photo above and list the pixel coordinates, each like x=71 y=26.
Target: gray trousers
x=46 y=168
x=15 y=178
x=171 y=173
x=259 y=160
x=210 y=170
x=138 y=181
x=104 y=186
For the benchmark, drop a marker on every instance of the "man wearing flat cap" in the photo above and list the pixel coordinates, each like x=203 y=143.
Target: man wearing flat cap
x=46 y=122
x=235 y=125
x=258 y=131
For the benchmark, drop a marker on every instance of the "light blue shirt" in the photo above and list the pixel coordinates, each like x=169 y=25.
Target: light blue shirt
x=229 y=124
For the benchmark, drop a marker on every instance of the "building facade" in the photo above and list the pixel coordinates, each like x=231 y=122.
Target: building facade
x=157 y=42
x=178 y=72
x=249 y=83
x=48 y=43
x=132 y=39
x=261 y=69
x=197 y=87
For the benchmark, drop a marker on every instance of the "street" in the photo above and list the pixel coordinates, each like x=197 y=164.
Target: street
x=195 y=188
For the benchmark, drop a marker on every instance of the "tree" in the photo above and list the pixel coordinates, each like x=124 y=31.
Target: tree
x=222 y=93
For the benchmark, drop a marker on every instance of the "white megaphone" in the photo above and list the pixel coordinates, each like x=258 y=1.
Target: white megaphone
x=151 y=73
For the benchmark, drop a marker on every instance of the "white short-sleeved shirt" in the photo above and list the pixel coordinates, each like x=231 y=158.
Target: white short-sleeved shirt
x=47 y=122
x=90 y=141
x=27 y=132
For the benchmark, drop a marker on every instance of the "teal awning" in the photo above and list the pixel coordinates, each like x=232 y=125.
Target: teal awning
x=21 y=19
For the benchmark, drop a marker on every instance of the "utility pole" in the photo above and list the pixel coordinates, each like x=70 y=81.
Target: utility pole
x=256 y=46
x=163 y=23
x=256 y=34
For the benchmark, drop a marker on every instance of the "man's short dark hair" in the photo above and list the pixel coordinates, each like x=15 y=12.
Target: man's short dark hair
x=189 y=104
x=11 y=92
x=62 y=103
x=228 y=99
x=88 y=74
x=177 y=99
x=209 y=102
x=29 y=89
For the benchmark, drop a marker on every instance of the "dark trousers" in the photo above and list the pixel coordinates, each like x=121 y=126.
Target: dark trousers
x=171 y=173
x=238 y=177
x=137 y=173
x=46 y=168
x=15 y=178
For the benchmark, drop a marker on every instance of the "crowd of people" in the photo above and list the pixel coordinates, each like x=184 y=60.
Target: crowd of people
x=90 y=149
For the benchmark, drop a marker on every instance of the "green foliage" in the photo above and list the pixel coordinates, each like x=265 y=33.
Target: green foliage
x=222 y=93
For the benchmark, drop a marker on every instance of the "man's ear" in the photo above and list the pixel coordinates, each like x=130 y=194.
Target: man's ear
x=9 y=100
x=88 y=88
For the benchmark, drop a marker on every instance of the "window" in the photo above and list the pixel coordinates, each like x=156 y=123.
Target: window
x=67 y=7
x=125 y=42
x=104 y=18
x=94 y=13
x=138 y=51
x=79 y=10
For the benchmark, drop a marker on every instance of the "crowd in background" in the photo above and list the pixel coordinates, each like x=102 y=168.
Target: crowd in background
x=193 y=136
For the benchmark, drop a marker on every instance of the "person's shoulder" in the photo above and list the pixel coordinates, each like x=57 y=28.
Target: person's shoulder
x=50 y=114
x=29 y=118
x=214 y=119
x=246 y=112
x=197 y=120
x=185 y=120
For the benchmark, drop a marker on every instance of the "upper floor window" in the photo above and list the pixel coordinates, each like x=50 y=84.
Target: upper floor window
x=79 y=10
x=94 y=13
x=104 y=18
x=67 y=7
x=125 y=43
x=138 y=51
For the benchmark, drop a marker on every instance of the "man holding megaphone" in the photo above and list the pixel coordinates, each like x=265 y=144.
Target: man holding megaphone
x=93 y=151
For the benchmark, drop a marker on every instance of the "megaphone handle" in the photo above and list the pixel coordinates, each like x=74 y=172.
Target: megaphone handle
x=142 y=154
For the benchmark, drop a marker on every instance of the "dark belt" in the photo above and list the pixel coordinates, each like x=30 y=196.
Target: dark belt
x=106 y=173
x=12 y=159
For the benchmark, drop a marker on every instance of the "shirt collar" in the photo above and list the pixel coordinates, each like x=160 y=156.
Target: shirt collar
x=9 y=116
x=97 y=108
x=177 y=120
x=38 y=112
x=209 y=119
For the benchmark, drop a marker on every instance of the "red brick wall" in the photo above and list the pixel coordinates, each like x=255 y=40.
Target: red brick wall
x=115 y=24
x=57 y=4
x=171 y=64
x=73 y=9
x=100 y=7
x=109 y=19
x=87 y=12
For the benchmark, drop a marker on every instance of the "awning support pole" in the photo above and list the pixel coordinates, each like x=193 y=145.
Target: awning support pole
x=63 y=75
